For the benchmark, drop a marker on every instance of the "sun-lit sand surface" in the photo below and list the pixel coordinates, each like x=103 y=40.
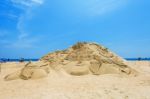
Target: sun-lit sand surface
x=60 y=85
x=84 y=71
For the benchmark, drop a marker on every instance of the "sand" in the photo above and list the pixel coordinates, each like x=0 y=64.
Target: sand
x=88 y=58
x=81 y=59
x=61 y=85
x=83 y=71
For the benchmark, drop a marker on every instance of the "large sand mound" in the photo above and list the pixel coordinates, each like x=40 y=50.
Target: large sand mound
x=84 y=58
x=80 y=59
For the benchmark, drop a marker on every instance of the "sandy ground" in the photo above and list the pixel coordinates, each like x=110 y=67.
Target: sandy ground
x=59 y=85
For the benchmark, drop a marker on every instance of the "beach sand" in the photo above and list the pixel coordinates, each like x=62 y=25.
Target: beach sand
x=60 y=85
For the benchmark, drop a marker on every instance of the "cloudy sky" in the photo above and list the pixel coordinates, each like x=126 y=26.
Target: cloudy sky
x=32 y=28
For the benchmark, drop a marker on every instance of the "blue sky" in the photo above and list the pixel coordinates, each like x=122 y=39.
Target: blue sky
x=32 y=28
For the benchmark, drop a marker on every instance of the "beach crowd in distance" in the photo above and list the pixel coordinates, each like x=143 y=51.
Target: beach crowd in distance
x=16 y=60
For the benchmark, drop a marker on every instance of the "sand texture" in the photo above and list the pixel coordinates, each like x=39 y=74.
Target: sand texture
x=83 y=71
x=61 y=85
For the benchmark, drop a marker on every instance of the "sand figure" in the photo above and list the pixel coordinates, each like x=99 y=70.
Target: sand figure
x=30 y=71
x=13 y=76
x=77 y=68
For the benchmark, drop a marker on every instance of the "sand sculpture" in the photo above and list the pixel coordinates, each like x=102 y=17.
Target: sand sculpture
x=81 y=59
x=30 y=71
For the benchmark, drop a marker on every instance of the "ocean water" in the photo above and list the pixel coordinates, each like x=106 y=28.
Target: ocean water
x=138 y=59
x=16 y=60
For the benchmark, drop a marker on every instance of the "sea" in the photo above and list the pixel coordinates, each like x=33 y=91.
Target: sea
x=17 y=60
x=30 y=59
x=138 y=59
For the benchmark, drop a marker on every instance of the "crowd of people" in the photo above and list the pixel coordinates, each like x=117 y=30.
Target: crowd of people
x=3 y=60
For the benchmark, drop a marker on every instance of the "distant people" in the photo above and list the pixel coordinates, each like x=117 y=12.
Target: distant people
x=146 y=59
x=0 y=67
x=139 y=59
x=21 y=60
x=1 y=61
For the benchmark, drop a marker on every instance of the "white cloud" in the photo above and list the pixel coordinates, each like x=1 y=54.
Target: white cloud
x=38 y=1
x=90 y=7
x=94 y=7
x=24 y=43
x=3 y=33
x=24 y=40
x=9 y=15
x=100 y=7
x=27 y=3
x=108 y=5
